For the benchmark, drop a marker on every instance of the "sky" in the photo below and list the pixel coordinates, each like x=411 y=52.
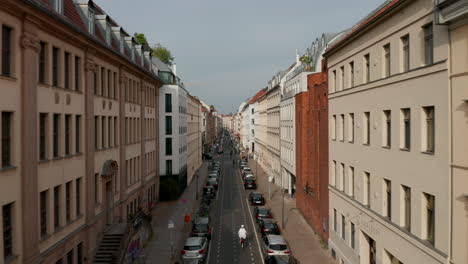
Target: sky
x=226 y=51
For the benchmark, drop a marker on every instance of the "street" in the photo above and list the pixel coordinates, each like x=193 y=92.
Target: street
x=230 y=212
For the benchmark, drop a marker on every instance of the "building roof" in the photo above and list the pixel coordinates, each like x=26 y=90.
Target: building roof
x=258 y=95
x=364 y=23
x=74 y=17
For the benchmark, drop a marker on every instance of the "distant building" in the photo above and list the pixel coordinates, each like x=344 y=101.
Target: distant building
x=194 y=156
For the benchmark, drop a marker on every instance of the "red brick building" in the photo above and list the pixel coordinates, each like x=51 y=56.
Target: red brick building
x=312 y=153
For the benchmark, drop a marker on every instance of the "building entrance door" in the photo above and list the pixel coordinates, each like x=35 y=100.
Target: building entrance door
x=109 y=203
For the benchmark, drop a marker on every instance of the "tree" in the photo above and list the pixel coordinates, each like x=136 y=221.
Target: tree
x=163 y=54
x=140 y=38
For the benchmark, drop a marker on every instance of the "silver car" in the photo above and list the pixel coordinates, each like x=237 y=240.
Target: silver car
x=195 y=248
x=275 y=245
x=213 y=175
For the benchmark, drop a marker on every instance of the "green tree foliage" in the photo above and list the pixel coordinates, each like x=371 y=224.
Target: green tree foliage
x=163 y=54
x=140 y=38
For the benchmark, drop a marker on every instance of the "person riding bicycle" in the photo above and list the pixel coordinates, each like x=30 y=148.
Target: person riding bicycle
x=242 y=234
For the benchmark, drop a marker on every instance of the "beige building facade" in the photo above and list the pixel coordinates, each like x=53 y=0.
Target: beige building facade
x=194 y=156
x=261 y=151
x=79 y=126
x=389 y=138
x=273 y=129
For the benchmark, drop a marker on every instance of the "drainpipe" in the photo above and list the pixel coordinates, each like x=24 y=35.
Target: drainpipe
x=450 y=151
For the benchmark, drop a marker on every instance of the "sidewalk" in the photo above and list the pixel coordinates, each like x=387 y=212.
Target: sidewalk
x=159 y=249
x=305 y=245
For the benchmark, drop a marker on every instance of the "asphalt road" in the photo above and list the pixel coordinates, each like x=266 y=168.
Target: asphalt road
x=230 y=212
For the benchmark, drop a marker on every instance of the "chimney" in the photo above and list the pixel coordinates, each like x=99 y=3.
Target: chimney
x=174 y=69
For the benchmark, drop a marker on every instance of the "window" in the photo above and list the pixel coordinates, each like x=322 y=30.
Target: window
x=55 y=67
x=353 y=236
x=367 y=189
x=342 y=179
x=56 y=135
x=68 y=201
x=103 y=77
x=96 y=132
x=366 y=128
x=110 y=91
x=342 y=78
x=343 y=227
x=351 y=128
x=115 y=131
x=406 y=129
x=42 y=63
x=335 y=225
x=429 y=212
x=7 y=230
x=70 y=257
x=168 y=103
x=333 y=173
x=387 y=60
x=6 y=51
x=387 y=199
x=341 y=134
x=95 y=77
x=168 y=167
x=6 y=139
x=429 y=129
x=387 y=128
x=168 y=125
x=77 y=134
x=77 y=73
x=333 y=128
x=168 y=146
x=78 y=197
x=108 y=34
x=68 y=134
x=406 y=197
x=43 y=210
x=67 y=70
x=334 y=84
x=42 y=136
x=115 y=85
x=96 y=189
x=91 y=20
x=351 y=181
x=366 y=68
x=58 y=6
x=79 y=253
x=57 y=207
x=405 y=52
x=351 y=74
x=428 y=44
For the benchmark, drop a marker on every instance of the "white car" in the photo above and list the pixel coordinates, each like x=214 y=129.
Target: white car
x=275 y=245
x=195 y=248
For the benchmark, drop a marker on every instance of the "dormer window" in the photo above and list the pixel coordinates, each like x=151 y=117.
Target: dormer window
x=121 y=43
x=58 y=6
x=133 y=54
x=108 y=34
x=91 y=20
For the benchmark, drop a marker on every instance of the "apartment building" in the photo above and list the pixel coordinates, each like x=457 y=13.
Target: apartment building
x=389 y=130
x=260 y=128
x=454 y=18
x=72 y=82
x=273 y=128
x=173 y=128
x=194 y=159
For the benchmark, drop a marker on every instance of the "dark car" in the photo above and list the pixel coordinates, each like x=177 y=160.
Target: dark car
x=261 y=213
x=256 y=199
x=250 y=184
x=201 y=227
x=280 y=259
x=268 y=227
x=212 y=182
x=209 y=192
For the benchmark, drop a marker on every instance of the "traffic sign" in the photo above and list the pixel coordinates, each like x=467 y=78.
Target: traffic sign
x=170 y=225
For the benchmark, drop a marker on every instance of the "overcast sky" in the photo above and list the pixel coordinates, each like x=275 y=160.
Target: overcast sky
x=226 y=51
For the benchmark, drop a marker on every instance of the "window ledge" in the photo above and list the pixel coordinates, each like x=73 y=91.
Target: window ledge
x=7 y=168
x=366 y=144
x=43 y=160
x=386 y=147
x=8 y=78
x=405 y=149
x=351 y=141
x=428 y=152
x=57 y=158
x=342 y=140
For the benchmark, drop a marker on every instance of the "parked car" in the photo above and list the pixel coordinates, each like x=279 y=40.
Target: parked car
x=248 y=176
x=214 y=172
x=246 y=170
x=209 y=192
x=268 y=227
x=256 y=198
x=250 y=184
x=212 y=182
x=195 y=248
x=280 y=259
x=261 y=213
x=213 y=175
x=201 y=227
x=275 y=245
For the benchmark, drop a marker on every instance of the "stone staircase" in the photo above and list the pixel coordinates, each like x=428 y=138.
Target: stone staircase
x=108 y=250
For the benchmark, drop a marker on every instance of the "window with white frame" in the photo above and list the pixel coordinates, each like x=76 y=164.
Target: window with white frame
x=91 y=19
x=428 y=136
x=351 y=127
x=366 y=128
x=333 y=127
x=342 y=124
x=405 y=131
x=387 y=129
